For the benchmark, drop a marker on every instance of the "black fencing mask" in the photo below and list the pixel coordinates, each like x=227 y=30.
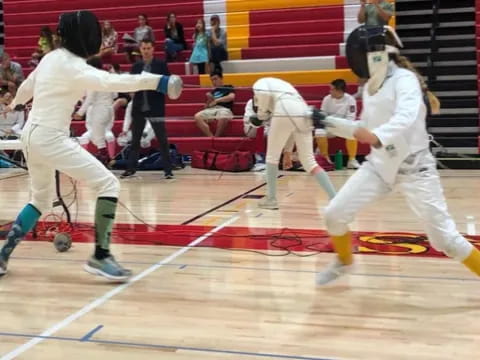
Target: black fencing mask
x=80 y=33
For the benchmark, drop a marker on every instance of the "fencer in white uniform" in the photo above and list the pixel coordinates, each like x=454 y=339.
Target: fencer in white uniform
x=98 y=108
x=58 y=82
x=126 y=135
x=393 y=122
x=278 y=102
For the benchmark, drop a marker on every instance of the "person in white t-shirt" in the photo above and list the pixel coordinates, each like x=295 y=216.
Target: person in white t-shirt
x=343 y=105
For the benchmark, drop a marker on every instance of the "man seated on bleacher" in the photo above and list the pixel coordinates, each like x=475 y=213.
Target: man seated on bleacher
x=218 y=107
x=11 y=123
x=343 y=105
x=11 y=74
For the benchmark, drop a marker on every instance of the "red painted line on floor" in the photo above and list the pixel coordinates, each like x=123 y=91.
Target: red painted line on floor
x=260 y=239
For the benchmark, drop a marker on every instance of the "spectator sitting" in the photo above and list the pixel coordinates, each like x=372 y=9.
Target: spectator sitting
x=200 y=50
x=46 y=43
x=217 y=38
x=109 y=40
x=375 y=13
x=142 y=32
x=343 y=105
x=218 y=106
x=11 y=122
x=174 y=37
x=11 y=74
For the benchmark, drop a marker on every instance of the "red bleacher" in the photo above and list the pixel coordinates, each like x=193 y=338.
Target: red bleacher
x=275 y=33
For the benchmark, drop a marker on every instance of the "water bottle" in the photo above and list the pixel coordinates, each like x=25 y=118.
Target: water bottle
x=339 y=160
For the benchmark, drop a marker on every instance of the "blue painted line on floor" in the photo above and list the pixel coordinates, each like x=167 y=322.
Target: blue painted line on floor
x=160 y=346
x=259 y=215
x=289 y=194
x=89 y=335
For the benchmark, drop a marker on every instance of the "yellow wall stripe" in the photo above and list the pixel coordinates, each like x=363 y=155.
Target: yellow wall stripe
x=238 y=42
x=247 y=5
x=294 y=77
x=234 y=53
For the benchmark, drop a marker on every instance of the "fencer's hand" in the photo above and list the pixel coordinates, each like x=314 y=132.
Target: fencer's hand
x=318 y=118
x=365 y=136
x=255 y=121
x=170 y=85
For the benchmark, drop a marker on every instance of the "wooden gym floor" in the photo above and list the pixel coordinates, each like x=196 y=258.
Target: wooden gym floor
x=193 y=302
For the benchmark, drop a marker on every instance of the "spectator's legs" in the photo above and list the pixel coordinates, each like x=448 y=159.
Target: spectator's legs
x=158 y=126
x=138 y=124
x=171 y=49
x=201 y=68
x=201 y=118
x=223 y=117
x=322 y=144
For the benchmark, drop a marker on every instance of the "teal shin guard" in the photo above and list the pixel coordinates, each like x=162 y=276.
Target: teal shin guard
x=25 y=222
x=272 y=174
x=324 y=181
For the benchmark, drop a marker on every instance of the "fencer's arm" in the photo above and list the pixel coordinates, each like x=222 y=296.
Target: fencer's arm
x=89 y=78
x=263 y=101
x=25 y=91
x=86 y=103
x=341 y=127
x=409 y=100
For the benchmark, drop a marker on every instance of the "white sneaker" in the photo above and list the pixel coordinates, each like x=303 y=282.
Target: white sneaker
x=332 y=272
x=259 y=167
x=269 y=204
x=353 y=164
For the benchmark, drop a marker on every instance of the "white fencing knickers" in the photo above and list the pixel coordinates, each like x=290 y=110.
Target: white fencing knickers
x=99 y=124
x=46 y=150
x=298 y=125
x=420 y=184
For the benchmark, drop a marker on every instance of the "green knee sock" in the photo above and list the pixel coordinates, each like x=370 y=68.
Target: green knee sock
x=25 y=222
x=324 y=181
x=272 y=174
x=104 y=217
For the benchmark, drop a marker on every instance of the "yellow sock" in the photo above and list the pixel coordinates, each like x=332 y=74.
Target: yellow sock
x=473 y=261
x=352 y=146
x=322 y=143
x=343 y=247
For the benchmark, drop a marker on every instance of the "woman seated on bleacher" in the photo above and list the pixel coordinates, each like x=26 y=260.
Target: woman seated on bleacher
x=11 y=123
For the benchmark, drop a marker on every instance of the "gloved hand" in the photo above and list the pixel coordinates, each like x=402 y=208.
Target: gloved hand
x=255 y=121
x=318 y=117
x=171 y=85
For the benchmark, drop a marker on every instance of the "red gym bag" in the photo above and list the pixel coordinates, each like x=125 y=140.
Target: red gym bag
x=216 y=160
